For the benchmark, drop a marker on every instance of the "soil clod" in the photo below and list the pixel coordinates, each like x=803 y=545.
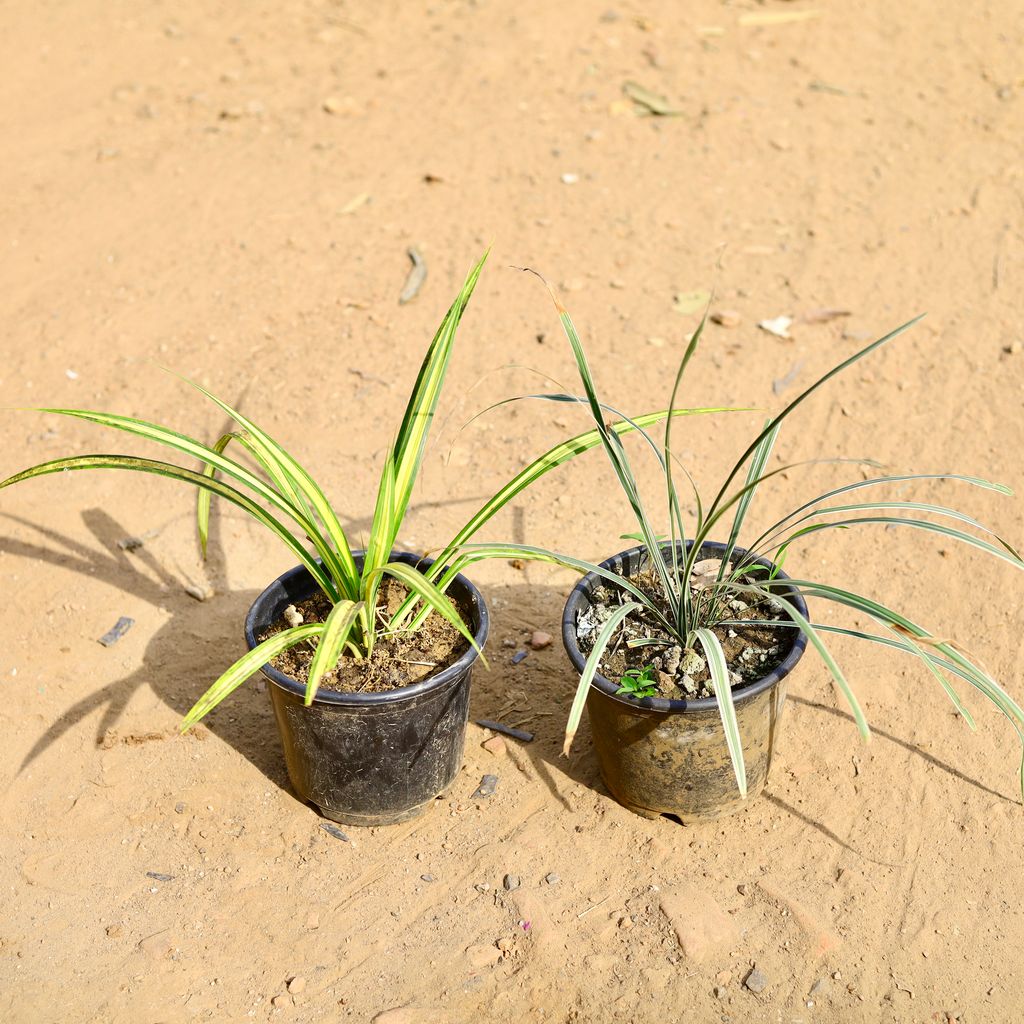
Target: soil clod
x=755 y=981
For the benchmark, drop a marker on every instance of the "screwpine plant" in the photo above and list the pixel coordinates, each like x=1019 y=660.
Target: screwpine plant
x=280 y=494
x=687 y=615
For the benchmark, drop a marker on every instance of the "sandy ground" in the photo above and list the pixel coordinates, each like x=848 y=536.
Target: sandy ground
x=229 y=190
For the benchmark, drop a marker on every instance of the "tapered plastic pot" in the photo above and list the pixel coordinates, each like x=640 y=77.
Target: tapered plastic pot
x=371 y=758
x=660 y=756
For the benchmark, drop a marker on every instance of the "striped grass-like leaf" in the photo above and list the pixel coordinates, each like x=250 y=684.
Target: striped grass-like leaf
x=677 y=529
x=876 y=482
x=590 y=670
x=1009 y=555
x=417 y=583
x=556 y=456
x=419 y=414
x=188 y=476
x=936 y=665
x=722 y=686
x=208 y=456
x=249 y=664
x=620 y=462
x=830 y=663
x=338 y=552
x=336 y=628
x=472 y=553
x=378 y=548
x=802 y=397
x=755 y=473
x=283 y=484
x=888 y=616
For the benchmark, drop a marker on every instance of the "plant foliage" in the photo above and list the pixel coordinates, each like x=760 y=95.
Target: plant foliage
x=279 y=493
x=693 y=611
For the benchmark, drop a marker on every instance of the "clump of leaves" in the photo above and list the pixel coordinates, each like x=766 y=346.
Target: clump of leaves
x=280 y=494
x=638 y=682
x=686 y=614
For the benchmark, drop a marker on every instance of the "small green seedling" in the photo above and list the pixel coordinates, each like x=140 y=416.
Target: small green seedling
x=638 y=682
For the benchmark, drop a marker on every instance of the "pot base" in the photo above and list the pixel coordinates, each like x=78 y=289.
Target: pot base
x=682 y=814
x=366 y=759
x=372 y=820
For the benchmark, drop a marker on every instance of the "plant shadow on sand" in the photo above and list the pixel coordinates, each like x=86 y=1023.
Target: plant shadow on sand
x=187 y=653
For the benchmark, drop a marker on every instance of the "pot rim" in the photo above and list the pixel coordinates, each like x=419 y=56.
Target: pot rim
x=480 y=622
x=580 y=597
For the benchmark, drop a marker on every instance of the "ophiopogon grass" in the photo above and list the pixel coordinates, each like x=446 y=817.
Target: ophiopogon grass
x=687 y=615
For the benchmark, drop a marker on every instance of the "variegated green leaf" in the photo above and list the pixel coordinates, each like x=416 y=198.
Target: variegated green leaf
x=336 y=629
x=246 y=666
x=726 y=708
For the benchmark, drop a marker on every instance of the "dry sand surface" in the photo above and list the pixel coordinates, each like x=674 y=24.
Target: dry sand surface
x=230 y=190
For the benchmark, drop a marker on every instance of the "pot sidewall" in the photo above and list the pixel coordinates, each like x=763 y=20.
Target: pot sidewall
x=371 y=759
x=670 y=757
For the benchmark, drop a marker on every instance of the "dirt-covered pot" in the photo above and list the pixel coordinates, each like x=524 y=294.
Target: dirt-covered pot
x=371 y=758
x=661 y=756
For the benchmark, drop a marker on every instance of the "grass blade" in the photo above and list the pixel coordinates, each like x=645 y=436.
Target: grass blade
x=620 y=461
x=419 y=413
x=677 y=529
x=339 y=557
x=472 y=553
x=803 y=396
x=590 y=670
x=919 y=524
x=910 y=506
x=755 y=473
x=978 y=678
x=874 y=482
x=837 y=674
x=417 y=583
x=209 y=457
x=378 y=548
x=283 y=484
x=905 y=645
x=726 y=708
x=336 y=628
x=556 y=456
x=246 y=666
x=188 y=476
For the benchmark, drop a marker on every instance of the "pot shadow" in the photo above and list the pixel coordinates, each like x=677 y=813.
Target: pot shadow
x=534 y=693
x=185 y=654
x=180 y=660
x=906 y=745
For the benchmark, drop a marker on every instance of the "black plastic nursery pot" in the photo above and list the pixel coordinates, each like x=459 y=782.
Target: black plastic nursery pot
x=371 y=758
x=660 y=756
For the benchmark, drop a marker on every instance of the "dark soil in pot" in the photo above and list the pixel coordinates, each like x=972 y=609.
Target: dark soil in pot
x=750 y=651
x=396 y=661
x=371 y=758
x=666 y=755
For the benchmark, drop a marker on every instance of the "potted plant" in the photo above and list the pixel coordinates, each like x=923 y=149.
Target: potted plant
x=684 y=643
x=370 y=690
x=368 y=738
